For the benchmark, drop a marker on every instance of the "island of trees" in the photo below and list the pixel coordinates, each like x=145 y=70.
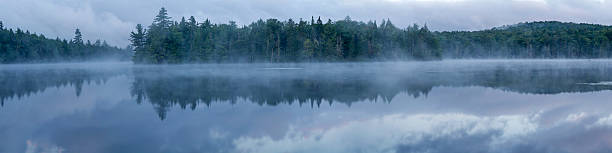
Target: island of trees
x=188 y=41
x=24 y=47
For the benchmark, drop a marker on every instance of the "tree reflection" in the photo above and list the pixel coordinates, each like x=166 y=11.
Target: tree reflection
x=187 y=91
x=189 y=86
x=19 y=83
x=165 y=89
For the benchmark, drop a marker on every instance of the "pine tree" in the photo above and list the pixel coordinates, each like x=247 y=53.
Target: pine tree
x=77 y=46
x=78 y=37
x=138 y=41
x=162 y=19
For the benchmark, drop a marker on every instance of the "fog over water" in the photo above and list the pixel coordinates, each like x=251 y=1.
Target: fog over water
x=438 y=106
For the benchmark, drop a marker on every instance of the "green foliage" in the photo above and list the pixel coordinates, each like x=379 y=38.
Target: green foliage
x=272 y=40
x=23 y=47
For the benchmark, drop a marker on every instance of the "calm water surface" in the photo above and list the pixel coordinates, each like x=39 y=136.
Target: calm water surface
x=446 y=106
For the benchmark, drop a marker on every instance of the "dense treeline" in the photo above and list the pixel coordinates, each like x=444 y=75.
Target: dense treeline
x=188 y=41
x=25 y=47
x=548 y=39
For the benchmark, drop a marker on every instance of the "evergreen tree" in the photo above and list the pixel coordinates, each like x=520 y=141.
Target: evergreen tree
x=78 y=37
x=162 y=19
x=138 y=42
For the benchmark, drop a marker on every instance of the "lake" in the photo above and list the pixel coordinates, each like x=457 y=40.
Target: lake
x=439 y=106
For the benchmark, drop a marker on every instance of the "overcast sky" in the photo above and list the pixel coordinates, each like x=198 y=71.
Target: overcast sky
x=112 y=20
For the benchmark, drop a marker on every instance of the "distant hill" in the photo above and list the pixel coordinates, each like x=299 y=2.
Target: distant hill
x=552 y=25
x=18 y=46
x=543 y=39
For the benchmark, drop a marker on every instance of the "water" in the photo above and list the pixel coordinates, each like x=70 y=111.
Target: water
x=447 y=106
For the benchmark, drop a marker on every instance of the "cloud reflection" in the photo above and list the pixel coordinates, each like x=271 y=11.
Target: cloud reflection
x=393 y=133
x=34 y=147
x=442 y=133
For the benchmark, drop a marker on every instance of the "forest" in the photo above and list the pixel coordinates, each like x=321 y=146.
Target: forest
x=188 y=41
x=24 y=47
x=271 y=40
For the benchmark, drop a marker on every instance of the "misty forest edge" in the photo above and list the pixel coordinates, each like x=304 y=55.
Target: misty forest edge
x=187 y=41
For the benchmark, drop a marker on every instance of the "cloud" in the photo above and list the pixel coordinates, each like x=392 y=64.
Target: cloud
x=112 y=20
x=56 y=19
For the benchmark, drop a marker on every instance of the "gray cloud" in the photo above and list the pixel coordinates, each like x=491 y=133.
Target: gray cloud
x=111 y=20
